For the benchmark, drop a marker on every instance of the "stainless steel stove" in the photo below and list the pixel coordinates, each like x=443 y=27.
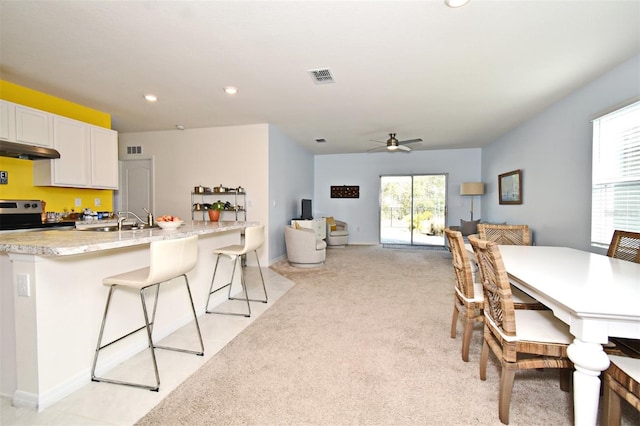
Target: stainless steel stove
x=25 y=214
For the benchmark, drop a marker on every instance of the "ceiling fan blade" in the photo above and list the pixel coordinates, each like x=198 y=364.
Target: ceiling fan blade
x=403 y=148
x=378 y=149
x=373 y=140
x=407 y=142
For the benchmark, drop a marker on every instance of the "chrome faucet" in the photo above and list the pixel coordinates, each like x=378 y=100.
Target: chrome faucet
x=122 y=216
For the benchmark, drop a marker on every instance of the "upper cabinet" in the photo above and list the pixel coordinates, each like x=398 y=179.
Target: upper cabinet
x=88 y=153
x=104 y=157
x=26 y=125
x=7 y=121
x=33 y=126
x=71 y=140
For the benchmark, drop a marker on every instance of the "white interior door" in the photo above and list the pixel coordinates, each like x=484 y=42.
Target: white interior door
x=136 y=187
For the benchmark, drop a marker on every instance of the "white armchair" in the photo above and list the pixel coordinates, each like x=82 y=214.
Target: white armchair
x=337 y=232
x=303 y=249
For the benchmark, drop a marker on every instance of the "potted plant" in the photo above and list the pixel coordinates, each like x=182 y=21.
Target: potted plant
x=214 y=211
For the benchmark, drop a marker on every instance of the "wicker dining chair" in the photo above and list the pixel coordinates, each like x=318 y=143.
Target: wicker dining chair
x=620 y=381
x=468 y=297
x=516 y=235
x=625 y=245
x=520 y=339
x=505 y=234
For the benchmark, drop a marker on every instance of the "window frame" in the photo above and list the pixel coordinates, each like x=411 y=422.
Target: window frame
x=615 y=181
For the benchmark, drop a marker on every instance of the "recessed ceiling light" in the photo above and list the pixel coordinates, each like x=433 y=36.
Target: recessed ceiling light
x=456 y=3
x=230 y=90
x=151 y=98
x=179 y=127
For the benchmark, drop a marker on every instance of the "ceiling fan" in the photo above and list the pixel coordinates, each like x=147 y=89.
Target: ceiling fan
x=393 y=144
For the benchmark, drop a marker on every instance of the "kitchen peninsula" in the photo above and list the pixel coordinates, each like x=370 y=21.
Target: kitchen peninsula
x=53 y=301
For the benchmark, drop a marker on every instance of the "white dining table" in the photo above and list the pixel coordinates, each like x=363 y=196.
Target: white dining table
x=597 y=296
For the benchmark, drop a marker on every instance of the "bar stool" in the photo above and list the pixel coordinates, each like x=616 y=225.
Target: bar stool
x=169 y=259
x=253 y=240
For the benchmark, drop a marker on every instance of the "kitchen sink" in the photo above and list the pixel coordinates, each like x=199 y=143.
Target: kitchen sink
x=114 y=228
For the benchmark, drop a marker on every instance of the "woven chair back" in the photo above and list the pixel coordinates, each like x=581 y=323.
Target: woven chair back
x=461 y=266
x=498 y=301
x=625 y=245
x=517 y=235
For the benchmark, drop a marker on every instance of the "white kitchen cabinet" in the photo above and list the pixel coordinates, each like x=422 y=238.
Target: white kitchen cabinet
x=7 y=121
x=104 y=157
x=22 y=124
x=33 y=126
x=71 y=139
x=88 y=157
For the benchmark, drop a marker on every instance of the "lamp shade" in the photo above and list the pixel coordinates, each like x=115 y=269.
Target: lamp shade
x=472 y=188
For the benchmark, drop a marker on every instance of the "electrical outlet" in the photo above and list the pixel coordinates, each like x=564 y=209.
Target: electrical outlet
x=78 y=202
x=97 y=202
x=23 y=285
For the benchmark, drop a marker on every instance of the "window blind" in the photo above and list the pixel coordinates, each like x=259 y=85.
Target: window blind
x=615 y=202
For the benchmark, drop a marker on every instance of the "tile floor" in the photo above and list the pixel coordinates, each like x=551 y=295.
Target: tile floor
x=107 y=404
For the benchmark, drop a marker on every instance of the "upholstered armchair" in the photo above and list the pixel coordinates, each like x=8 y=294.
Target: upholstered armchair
x=337 y=232
x=303 y=249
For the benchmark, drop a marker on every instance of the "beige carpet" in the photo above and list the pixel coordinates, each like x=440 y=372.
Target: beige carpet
x=363 y=339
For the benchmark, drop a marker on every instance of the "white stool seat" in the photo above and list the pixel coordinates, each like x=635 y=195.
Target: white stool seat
x=253 y=240
x=233 y=250
x=133 y=279
x=169 y=259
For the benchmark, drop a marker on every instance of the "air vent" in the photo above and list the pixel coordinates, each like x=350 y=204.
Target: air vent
x=321 y=140
x=134 y=150
x=322 y=76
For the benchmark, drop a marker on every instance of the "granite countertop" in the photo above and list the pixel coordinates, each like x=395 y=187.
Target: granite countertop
x=64 y=242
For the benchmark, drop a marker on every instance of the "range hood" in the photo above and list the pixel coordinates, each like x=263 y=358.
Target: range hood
x=26 y=152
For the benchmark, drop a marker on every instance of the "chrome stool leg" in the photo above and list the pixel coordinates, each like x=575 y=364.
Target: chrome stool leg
x=264 y=288
x=99 y=346
x=149 y=329
x=229 y=284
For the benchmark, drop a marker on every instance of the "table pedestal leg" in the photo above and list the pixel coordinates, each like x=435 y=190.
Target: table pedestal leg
x=589 y=360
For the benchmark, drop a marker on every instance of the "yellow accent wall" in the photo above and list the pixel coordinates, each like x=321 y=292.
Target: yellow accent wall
x=20 y=172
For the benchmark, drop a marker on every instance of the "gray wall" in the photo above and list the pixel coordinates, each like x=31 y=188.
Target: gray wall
x=554 y=152
x=290 y=179
x=362 y=214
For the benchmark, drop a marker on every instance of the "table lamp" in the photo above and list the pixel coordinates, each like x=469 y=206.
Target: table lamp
x=472 y=188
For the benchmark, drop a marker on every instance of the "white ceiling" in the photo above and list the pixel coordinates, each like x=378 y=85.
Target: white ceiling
x=453 y=77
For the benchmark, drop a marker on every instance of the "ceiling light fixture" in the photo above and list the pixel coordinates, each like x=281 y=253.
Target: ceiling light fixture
x=179 y=127
x=151 y=98
x=230 y=90
x=455 y=3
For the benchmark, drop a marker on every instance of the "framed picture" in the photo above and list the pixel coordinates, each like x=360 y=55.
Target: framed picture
x=345 y=191
x=510 y=187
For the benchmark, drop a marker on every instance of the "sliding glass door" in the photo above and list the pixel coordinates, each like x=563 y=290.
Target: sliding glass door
x=413 y=209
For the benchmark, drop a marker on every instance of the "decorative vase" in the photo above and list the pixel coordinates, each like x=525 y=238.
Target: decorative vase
x=214 y=215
